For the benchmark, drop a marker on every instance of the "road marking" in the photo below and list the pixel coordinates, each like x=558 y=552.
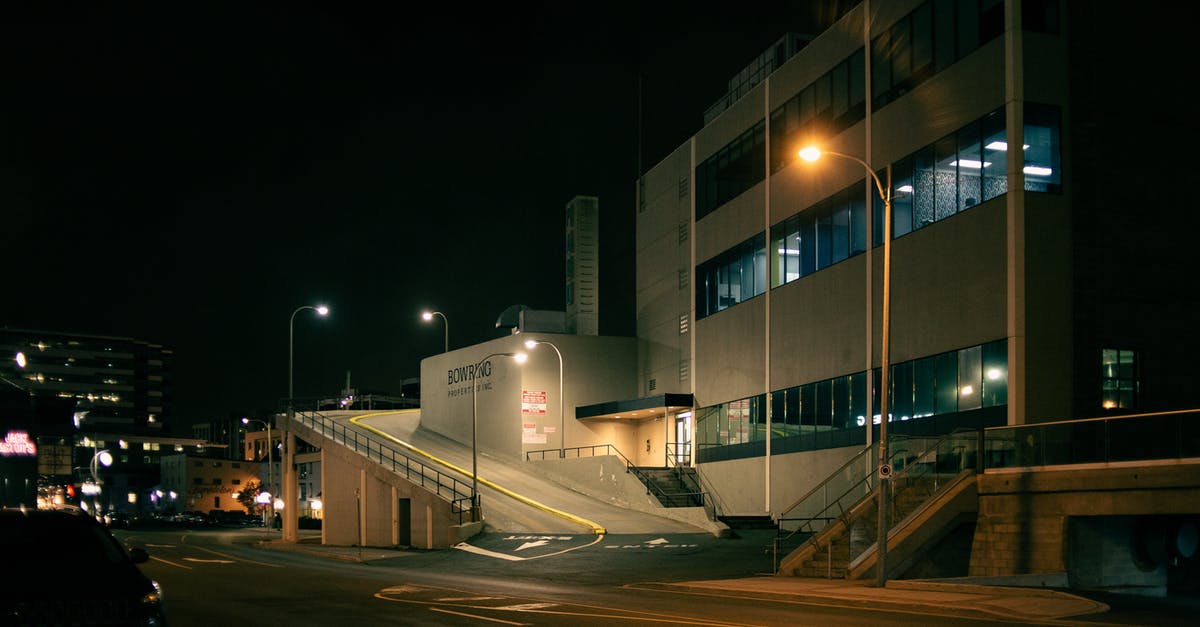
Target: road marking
x=526 y=607
x=170 y=563
x=463 y=546
x=532 y=544
x=657 y=541
x=196 y=559
x=494 y=620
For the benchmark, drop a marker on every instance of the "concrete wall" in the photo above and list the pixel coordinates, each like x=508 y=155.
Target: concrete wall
x=1027 y=519
x=361 y=504
x=595 y=369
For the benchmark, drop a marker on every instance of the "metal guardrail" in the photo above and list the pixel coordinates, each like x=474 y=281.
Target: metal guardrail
x=445 y=485
x=577 y=452
x=1135 y=437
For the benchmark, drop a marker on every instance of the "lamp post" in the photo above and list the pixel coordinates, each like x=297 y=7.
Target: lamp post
x=270 y=445
x=562 y=417
x=428 y=316
x=812 y=153
x=322 y=311
x=517 y=357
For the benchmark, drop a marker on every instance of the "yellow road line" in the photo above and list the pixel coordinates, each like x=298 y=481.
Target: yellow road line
x=595 y=527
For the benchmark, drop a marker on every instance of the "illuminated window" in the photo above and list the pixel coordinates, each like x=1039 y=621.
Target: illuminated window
x=1118 y=379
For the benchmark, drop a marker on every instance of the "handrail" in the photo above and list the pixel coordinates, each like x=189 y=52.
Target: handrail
x=446 y=486
x=861 y=489
x=630 y=467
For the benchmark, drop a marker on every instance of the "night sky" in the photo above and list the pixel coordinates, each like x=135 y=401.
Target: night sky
x=190 y=174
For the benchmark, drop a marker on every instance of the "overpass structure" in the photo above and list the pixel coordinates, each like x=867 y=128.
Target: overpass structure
x=386 y=482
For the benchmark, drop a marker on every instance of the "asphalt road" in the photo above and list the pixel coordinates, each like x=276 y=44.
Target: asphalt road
x=224 y=577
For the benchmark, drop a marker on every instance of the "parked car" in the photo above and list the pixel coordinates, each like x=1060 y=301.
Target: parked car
x=117 y=520
x=67 y=567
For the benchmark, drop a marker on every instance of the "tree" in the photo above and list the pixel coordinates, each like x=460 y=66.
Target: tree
x=249 y=495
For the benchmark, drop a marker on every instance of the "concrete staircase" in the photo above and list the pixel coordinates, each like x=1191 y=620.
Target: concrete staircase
x=672 y=486
x=923 y=509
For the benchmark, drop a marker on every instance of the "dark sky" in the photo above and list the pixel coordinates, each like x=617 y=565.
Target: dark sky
x=190 y=174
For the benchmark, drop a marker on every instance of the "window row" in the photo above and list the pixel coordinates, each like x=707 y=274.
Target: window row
x=737 y=167
x=734 y=276
x=954 y=381
x=831 y=104
x=928 y=40
x=949 y=176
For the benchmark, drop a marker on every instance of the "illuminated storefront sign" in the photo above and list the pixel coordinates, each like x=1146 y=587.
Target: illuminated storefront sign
x=17 y=444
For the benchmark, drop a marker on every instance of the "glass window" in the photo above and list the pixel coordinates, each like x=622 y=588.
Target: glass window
x=823 y=414
x=902 y=391
x=858 y=398
x=840 y=231
x=946 y=373
x=808 y=407
x=970 y=378
x=1042 y=169
x=995 y=151
x=995 y=374
x=970 y=167
x=945 y=153
x=824 y=239
x=1118 y=379
x=841 y=404
x=968 y=27
x=858 y=221
x=922 y=40
x=902 y=197
x=924 y=388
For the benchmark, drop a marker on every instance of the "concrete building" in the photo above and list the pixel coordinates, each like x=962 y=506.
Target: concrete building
x=204 y=484
x=583 y=265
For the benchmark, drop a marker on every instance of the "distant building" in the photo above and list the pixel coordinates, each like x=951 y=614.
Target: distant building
x=583 y=266
x=117 y=383
x=204 y=484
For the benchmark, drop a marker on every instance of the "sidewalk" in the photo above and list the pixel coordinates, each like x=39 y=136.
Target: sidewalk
x=1023 y=604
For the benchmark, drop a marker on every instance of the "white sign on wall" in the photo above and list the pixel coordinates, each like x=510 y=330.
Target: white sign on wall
x=533 y=402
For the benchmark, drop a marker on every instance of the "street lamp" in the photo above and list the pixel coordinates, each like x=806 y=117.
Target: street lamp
x=517 y=357
x=287 y=483
x=562 y=416
x=270 y=445
x=427 y=316
x=812 y=153
x=322 y=311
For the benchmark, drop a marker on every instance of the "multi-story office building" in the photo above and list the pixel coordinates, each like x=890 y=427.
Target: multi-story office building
x=118 y=384
x=1034 y=166
x=82 y=398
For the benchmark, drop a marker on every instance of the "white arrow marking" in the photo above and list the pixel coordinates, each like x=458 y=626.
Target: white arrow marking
x=530 y=544
x=658 y=541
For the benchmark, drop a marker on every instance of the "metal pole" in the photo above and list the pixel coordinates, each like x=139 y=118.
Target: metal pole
x=885 y=475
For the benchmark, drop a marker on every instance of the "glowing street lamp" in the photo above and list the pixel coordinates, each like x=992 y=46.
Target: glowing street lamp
x=562 y=416
x=520 y=359
x=812 y=153
x=427 y=316
x=287 y=482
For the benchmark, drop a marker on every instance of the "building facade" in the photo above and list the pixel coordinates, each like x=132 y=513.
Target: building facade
x=1023 y=287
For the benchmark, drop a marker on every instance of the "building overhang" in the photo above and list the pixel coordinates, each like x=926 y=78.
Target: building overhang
x=636 y=410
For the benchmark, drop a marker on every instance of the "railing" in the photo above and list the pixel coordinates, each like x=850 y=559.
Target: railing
x=598 y=450
x=446 y=486
x=1138 y=437
x=679 y=454
x=858 y=479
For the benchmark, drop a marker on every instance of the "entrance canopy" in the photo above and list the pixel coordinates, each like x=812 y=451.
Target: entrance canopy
x=635 y=410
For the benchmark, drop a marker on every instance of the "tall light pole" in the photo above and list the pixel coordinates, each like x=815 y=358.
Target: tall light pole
x=517 y=357
x=270 y=473
x=288 y=529
x=562 y=417
x=812 y=153
x=428 y=316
